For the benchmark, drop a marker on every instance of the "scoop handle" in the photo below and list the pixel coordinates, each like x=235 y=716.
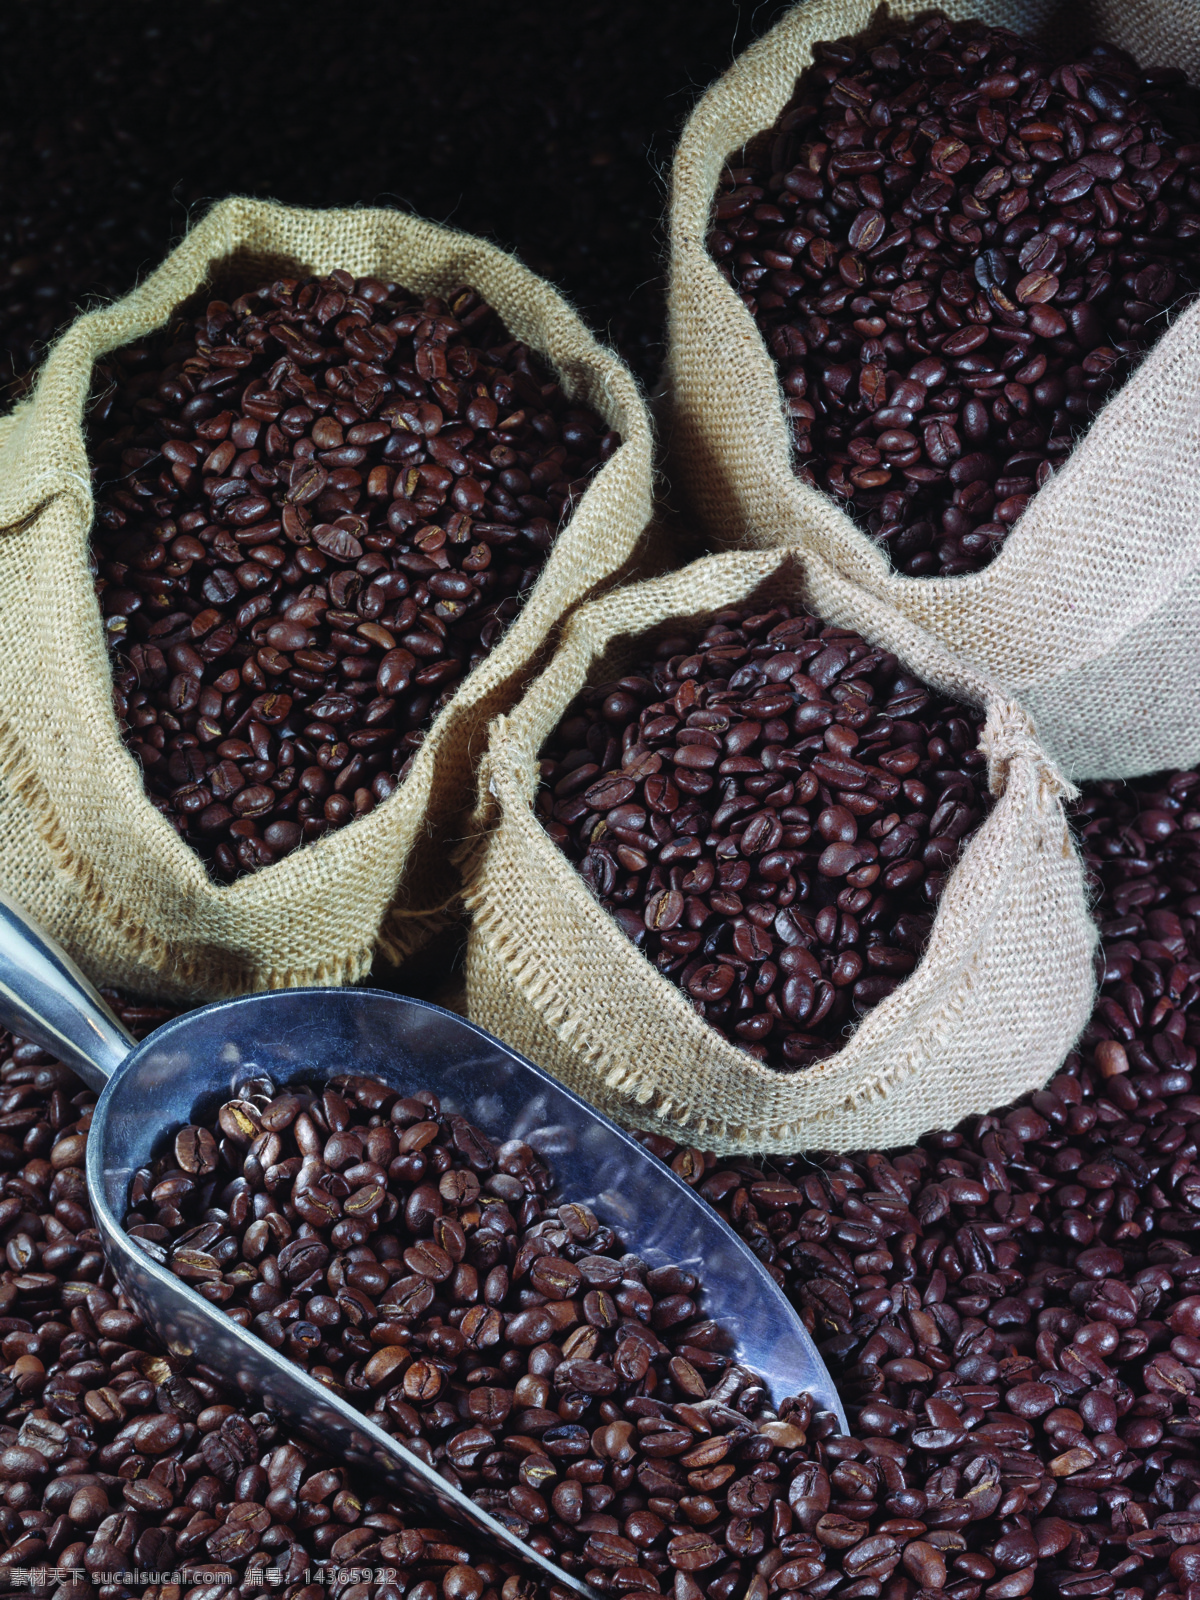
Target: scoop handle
x=45 y=997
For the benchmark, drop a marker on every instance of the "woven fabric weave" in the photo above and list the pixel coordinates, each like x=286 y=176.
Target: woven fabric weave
x=1090 y=615
x=80 y=844
x=989 y=1013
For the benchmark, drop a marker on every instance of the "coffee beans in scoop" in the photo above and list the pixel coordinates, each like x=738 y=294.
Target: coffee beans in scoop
x=957 y=247
x=403 y=1258
x=769 y=810
x=317 y=509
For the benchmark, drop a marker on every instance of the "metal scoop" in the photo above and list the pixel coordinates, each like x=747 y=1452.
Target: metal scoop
x=188 y=1067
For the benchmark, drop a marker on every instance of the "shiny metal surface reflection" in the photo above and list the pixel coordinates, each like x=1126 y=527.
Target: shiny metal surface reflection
x=189 y=1066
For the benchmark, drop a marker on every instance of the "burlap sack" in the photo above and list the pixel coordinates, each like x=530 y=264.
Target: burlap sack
x=990 y=1011
x=80 y=844
x=1090 y=616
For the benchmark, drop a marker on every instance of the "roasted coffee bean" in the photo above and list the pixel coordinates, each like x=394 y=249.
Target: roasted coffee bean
x=311 y=526
x=957 y=246
x=788 y=878
x=196 y=1150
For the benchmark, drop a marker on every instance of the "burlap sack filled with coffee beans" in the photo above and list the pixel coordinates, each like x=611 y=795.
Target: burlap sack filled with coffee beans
x=1003 y=988
x=81 y=846
x=1090 y=615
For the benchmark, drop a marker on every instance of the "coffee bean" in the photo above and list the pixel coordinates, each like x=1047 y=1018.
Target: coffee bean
x=321 y=588
x=788 y=887
x=985 y=263
x=196 y=1150
x=925 y=1563
x=693 y=1552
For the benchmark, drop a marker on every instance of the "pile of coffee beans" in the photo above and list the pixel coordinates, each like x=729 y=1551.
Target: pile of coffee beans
x=956 y=248
x=1012 y=1309
x=115 y=1460
x=399 y=1254
x=769 y=811
x=317 y=509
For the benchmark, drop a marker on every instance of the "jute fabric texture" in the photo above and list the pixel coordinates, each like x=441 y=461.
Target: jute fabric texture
x=989 y=1013
x=1090 y=616
x=80 y=844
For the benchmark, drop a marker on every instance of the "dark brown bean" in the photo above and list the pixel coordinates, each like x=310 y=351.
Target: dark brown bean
x=945 y=1311
x=196 y=1150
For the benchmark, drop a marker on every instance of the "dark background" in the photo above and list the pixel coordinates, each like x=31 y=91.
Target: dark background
x=547 y=127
